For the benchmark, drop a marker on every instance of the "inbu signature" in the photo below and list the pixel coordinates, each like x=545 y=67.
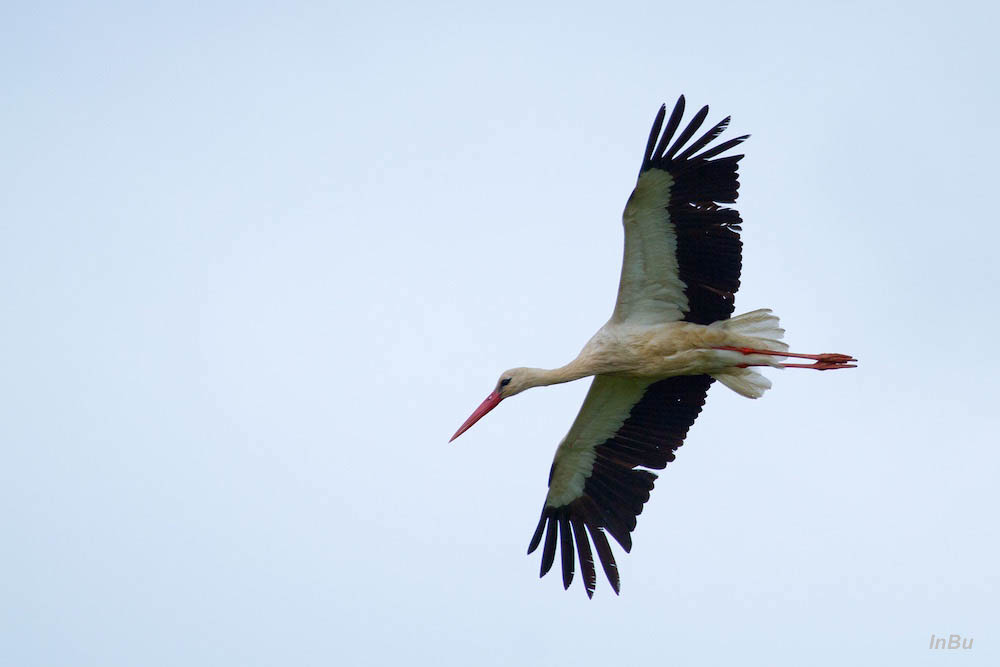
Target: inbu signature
x=953 y=641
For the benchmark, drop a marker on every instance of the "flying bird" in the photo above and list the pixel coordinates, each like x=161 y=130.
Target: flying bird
x=670 y=336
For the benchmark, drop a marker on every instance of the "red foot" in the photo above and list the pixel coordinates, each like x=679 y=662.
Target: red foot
x=822 y=366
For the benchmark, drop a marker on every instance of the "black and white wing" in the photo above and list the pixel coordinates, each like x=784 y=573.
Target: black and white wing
x=682 y=255
x=599 y=479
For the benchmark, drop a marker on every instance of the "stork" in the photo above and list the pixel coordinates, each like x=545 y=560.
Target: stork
x=670 y=336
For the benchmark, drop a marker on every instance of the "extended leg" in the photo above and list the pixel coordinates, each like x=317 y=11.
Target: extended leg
x=827 y=361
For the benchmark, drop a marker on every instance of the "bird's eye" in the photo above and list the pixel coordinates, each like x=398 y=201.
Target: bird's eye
x=504 y=382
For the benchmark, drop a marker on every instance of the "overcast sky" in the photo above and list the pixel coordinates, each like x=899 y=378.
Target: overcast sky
x=258 y=264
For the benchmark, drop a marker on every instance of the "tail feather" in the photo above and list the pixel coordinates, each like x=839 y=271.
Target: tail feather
x=760 y=329
x=761 y=324
x=744 y=381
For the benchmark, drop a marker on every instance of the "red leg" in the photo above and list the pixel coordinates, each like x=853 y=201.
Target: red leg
x=822 y=365
x=822 y=362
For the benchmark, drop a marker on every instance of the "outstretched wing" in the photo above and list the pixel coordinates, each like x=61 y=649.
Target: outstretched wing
x=598 y=482
x=682 y=249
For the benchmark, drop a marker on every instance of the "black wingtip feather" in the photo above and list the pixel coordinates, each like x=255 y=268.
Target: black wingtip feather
x=549 y=550
x=566 y=549
x=653 y=133
x=604 y=554
x=537 y=537
x=668 y=134
x=586 y=557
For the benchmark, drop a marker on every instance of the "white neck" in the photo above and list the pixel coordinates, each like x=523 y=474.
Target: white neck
x=541 y=377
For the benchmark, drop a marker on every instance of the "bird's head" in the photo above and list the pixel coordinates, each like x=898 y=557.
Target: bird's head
x=510 y=383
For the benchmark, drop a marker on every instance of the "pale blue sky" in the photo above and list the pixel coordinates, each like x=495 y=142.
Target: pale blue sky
x=257 y=264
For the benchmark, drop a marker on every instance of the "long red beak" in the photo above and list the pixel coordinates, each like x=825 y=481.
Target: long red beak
x=491 y=402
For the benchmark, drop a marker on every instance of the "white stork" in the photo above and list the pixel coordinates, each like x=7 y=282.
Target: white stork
x=669 y=337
